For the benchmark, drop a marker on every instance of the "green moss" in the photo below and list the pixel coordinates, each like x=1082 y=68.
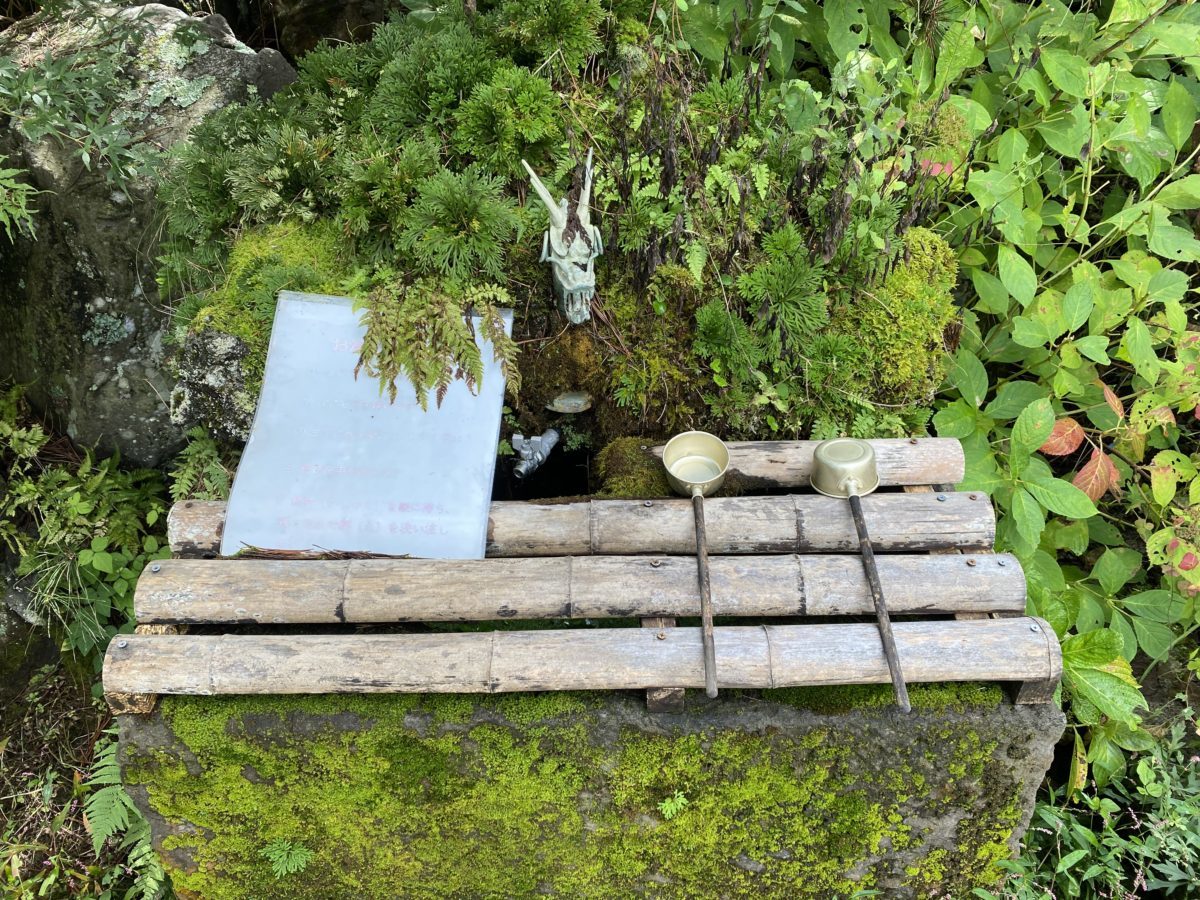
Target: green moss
x=955 y=696
x=628 y=469
x=263 y=262
x=526 y=795
x=899 y=328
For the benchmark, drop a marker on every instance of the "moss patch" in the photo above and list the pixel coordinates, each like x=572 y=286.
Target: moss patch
x=628 y=468
x=559 y=795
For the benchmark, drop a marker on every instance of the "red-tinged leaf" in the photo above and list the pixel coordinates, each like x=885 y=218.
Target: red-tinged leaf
x=1196 y=411
x=1113 y=401
x=1098 y=476
x=1065 y=437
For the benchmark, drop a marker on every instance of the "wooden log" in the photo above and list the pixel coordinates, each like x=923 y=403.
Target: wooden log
x=802 y=523
x=901 y=461
x=1007 y=650
x=235 y=591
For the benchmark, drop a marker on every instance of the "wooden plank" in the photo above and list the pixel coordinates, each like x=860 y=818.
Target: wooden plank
x=1020 y=650
x=276 y=592
x=803 y=523
x=901 y=461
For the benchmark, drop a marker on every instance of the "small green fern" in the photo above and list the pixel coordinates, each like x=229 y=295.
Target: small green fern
x=286 y=858
x=199 y=473
x=110 y=812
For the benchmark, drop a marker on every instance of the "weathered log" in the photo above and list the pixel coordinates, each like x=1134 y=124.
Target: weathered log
x=801 y=523
x=395 y=590
x=901 y=461
x=1009 y=650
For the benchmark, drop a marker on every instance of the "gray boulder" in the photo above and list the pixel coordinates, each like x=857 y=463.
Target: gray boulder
x=81 y=320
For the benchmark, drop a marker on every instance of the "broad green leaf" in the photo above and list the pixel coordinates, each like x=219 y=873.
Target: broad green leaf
x=1017 y=274
x=1067 y=134
x=956 y=53
x=1028 y=517
x=1178 y=114
x=1115 y=567
x=1077 y=305
x=847 y=26
x=1029 y=332
x=1167 y=285
x=1094 y=347
x=1067 y=71
x=1095 y=670
x=1183 y=193
x=1138 y=347
x=1062 y=497
x=102 y=562
x=968 y=375
x=1173 y=242
x=1157 y=606
x=702 y=29
x=1013 y=397
x=957 y=419
x=1031 y=429
x=993 y=297
x=1011 y=149
x=1154 y=638
x=1120 y=624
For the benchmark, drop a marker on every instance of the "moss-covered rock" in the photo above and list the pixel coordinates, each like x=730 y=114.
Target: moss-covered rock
x=563 y=794
x=225 y=332
x=628 y=468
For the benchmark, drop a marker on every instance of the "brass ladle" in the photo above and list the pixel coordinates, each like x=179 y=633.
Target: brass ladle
x=696 y=462
x=845 y=467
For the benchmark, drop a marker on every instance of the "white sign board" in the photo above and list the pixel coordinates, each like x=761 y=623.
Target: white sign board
x=331 y=464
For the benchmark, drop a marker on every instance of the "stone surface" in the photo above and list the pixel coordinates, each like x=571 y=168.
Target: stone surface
x=788 y=793
x=80 y=316
x=25 y=643
x=302 y=24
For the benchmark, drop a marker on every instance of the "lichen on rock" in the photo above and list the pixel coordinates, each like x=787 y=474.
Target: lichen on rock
x=81 y=319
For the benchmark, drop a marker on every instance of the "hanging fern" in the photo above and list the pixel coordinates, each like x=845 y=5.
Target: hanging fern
x=425 y=332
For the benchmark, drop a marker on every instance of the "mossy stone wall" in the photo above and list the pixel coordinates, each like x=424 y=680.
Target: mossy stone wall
x=816 y=793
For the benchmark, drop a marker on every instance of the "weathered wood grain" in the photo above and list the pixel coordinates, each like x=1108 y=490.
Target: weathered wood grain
x=803 y=523
x=231 y=591
x=901 y=461
x=1008 y=650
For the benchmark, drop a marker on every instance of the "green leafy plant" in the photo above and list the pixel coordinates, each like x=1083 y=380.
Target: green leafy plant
x=1137 y=836
x=286 y=858
x=111 y=814
x=83 y=529
x=673 y=805
x=16 y=216
x=199 y=472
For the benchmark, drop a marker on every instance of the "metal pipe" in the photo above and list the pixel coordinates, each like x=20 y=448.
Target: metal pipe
x=710 y=647
x=881 y=611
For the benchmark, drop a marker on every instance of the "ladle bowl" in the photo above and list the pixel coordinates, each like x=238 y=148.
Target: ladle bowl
x=844 y=467
x=696 y=462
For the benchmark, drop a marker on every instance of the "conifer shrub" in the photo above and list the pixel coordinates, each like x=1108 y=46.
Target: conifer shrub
x=756 y=275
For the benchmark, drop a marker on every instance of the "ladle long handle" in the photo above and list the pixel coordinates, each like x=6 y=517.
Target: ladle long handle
x=881 y=613
x=710 y=649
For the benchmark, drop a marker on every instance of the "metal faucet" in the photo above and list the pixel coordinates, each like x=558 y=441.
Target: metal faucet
x=533 y=451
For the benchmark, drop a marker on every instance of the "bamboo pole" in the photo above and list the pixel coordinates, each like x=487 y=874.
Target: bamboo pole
x=1010 y=650
x=800 y=523
x=235 y=591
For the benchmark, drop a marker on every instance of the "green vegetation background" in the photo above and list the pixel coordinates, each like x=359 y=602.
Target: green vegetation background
x=816 y=219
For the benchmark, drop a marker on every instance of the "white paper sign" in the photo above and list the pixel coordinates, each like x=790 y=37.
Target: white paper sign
x=331 y=464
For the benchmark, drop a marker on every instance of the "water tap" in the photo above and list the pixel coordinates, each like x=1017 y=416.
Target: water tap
x=532 y=452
